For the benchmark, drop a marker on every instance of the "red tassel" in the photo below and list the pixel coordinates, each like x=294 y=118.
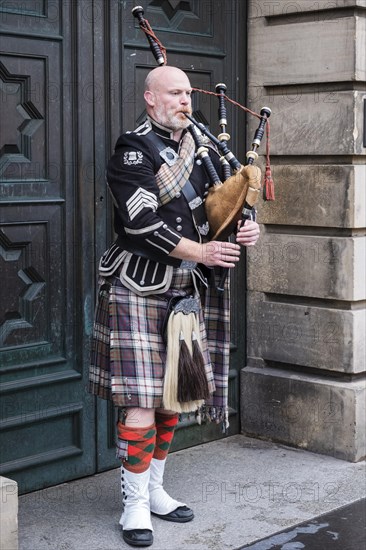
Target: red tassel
x=268 y=190
x=268 y=187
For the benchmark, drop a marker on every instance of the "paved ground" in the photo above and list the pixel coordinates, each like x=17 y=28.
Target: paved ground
x=243 y=492
x=342 y=529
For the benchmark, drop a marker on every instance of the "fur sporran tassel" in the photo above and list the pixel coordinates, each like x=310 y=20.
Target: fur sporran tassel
x=170 y=391
x=203 y=391
x=192 y=380
x=186 y=388
x=185 y=382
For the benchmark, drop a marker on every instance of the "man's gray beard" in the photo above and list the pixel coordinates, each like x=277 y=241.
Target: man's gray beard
x=175 y=123
x=181 y=124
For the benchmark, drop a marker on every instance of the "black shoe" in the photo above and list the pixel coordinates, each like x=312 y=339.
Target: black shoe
x=138 y=537
x=182 y=514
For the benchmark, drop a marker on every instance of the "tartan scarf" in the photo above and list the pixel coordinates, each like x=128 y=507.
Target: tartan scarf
x=171 y=179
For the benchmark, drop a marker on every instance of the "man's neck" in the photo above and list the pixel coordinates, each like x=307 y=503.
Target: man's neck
x=164 y=131
x=177 y=135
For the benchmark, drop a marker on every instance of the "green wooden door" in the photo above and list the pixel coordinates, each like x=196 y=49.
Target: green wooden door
x=46 y=242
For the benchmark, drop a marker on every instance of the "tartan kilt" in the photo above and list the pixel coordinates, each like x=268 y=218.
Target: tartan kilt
x=128 y=352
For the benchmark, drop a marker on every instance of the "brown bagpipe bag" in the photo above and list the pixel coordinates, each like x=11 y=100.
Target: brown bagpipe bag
x=225 y=202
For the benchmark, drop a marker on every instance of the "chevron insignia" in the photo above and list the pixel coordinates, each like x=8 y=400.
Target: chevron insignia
x=141 y=199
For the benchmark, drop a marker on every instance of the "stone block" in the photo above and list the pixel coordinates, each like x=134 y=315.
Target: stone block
x=307 y=51
x=317 y=414
x=308 y=265
x=311 y=121
x=317 y=195
x=310 y=335
x=8 y=514
x=321 y=9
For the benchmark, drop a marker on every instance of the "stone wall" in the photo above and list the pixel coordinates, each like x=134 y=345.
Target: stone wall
x=304 y=383
x=8 y=514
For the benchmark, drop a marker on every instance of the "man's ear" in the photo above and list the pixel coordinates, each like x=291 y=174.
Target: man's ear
x=149 y=98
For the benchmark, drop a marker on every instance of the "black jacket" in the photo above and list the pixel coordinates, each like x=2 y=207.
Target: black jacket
x=141 y=224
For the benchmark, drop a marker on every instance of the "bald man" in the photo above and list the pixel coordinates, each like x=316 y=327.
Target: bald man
x=162 y=253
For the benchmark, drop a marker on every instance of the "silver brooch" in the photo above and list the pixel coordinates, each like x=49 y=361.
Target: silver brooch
x=169 y=155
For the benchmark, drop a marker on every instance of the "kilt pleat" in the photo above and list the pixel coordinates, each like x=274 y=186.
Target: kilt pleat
x=99 y=370
x=217 y=323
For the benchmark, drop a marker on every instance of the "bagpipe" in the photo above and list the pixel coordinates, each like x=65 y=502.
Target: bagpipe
x=234 y=199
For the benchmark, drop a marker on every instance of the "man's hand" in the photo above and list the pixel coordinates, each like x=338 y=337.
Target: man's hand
x=223 y=254
x=247 y=234
x=219 y=253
